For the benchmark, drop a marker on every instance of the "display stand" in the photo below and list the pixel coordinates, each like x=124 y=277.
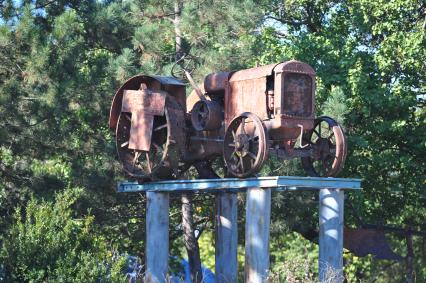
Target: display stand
x=258 y=211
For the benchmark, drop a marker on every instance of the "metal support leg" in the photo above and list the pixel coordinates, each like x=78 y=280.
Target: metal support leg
x=258 y=215
x=157 y=237
x=331 y=235
x=226 y=238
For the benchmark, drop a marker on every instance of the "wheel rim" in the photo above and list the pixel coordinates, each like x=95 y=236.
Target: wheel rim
x=158 y=162
x=328 y=145
x=245 y=146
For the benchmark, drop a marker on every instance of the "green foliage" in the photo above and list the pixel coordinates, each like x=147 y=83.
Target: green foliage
x=292 y=255
x=335 y=105
x=61 y=62
x=207 y=251
x=48 y=243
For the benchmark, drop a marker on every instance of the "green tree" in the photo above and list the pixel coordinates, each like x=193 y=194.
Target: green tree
x=48 y=243
x=373 y=53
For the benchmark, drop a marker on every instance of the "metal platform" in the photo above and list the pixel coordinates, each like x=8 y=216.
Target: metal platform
x=257 y=225
x=282 y=183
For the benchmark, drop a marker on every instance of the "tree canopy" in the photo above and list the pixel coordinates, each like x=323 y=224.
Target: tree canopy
x=61 y=62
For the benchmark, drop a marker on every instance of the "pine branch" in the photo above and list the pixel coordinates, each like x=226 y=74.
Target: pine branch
x=288 y=22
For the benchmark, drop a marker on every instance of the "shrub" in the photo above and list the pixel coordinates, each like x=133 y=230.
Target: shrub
x=48 y=243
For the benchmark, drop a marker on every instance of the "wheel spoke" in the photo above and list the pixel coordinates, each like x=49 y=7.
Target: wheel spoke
x=204 y=112
x=252 y=155
x=243 y=125
x=237 y=165
x=124 y=144
x=160 y=127
x=234 y=135
x=157 y=147
x=135 y=159
x=242 y=164
x=148 y=162
x=231 y=145
x=316 y=132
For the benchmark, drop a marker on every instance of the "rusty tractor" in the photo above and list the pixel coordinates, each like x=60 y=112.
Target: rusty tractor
x=242 y=116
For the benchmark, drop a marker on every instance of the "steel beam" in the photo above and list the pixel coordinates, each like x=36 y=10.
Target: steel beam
x=285 y=183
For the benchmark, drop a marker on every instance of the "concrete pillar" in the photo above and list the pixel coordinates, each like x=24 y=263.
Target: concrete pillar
x=331 y=235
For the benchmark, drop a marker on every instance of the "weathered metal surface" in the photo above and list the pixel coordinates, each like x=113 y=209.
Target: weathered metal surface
x=362 y=242
x=235 y=184
x=143 y=104
x=155 y=83
x=216 y=82
x=141 y=131
x=245 y=145
x=226 y=238
x=294 y=66
x=281 y=95
x=161 y=160
x=246 y=96
x=297 y=95
x=164 y=80
x=331 y=235
x=149 y=102
x=253 y=73
x=193 y=98
x=258 y=218
x=291 y=109
x=329 y=146
x=206 y=115
x=157 y=238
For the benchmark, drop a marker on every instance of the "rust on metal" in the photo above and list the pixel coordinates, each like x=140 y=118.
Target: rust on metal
x=253 y=73
x=140 y=130
x=153 y=83
x=216 y=82
x=362 y=242
x=206 y=115
x=241 y=117
x=297 y=99
x=145 y=101
x=143 y=104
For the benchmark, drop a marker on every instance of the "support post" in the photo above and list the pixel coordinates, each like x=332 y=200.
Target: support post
x=258 y=215
x=157 y=237
x=226 y=238
x=331 y=235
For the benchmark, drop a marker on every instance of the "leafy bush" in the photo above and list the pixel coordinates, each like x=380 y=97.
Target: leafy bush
x=47 y=243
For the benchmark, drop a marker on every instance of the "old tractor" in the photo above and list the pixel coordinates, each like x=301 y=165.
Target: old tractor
x=241 y=117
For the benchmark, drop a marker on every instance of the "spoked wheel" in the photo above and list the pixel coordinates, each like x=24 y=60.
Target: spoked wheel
x=199 y=115
x=329 y=147
x=245 y=145
x=159 y=161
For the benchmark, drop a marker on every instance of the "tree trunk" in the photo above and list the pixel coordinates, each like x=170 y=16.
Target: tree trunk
x=410 y=257
x=178 y=33
x=191 y=243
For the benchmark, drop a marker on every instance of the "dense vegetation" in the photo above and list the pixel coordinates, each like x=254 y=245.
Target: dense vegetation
x=61 y=62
